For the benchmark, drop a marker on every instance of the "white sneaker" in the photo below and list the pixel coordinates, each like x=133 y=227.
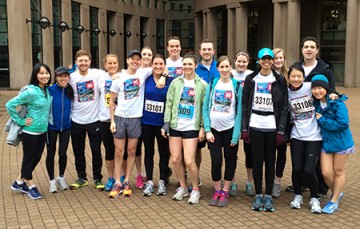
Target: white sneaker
x=180 y=193
x=161 y=188
x=62 y=183
x=194 y=197
x=315 y=205
x=52 y=186
x=297 y=202
x=149 y=188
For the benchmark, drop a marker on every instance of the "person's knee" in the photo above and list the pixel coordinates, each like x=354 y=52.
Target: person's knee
x=338 y=172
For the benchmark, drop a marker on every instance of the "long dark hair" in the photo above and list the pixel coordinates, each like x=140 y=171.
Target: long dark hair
x=33 y=79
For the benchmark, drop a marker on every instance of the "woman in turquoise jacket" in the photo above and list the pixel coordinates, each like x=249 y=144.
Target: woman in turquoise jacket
x=37 y=99
x=183 y=123
x=222 y=124
x=333 y=119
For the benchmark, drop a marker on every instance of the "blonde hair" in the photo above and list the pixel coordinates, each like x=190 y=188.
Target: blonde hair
x=284 y=69
x=110 y=55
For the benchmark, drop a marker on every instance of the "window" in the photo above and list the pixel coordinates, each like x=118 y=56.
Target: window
x=4 y=48
x=94 y=39
x=57 y=34
x=36 y=37
x=189 y=9
x=75 y=19
x=181 y=7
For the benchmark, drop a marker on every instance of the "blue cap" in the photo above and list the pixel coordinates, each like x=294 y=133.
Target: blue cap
x=265 y=52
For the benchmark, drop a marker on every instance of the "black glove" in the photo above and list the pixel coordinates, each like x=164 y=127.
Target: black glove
x=166 y=127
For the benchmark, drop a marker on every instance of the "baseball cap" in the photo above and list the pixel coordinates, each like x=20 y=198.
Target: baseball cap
x=60 y=70
x=265 y=52
x=133 y=52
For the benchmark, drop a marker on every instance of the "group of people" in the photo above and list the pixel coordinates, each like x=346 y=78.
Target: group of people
x=186 y=103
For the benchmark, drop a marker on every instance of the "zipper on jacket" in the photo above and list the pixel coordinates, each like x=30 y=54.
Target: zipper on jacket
x=62 y=109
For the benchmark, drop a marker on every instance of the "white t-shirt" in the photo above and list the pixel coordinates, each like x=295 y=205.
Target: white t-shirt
x=240 y=76
x=308 y=69
x=187 y=107
x=105 y=82
x=222 y=113
x=85 y=108
x=174 y=67
x=130 y=90
x=262 y=102
x=302 y=110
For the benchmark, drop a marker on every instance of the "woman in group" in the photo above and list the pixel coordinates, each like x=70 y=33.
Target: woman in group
x=111 y=64
x=305 y=138
x=59 y=125
x=152 y=121
x=222 y=123
x=241 y=62
x=184 y=125
x=265 y=109
x=338 y=144
x=37 y=99
x=279 y=66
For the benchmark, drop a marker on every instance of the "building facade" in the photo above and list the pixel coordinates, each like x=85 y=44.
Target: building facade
x=51 y=31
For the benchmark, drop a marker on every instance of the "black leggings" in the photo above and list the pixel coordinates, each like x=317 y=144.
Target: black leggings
x=64 y=137
x=149 y=133
x=138 y=148
x=280 y=160
x=304 y=156
x=263 y=148
x=108 y=140
x=248 y=155
x=33 y=147
x=223 y=140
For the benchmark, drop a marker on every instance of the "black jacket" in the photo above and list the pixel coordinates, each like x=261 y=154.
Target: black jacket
x=279 y=94
x=323 y=68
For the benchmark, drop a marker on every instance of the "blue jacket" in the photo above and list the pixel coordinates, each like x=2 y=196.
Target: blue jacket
x=205 y=74
x=59 y=118
x=334 y=125
x=208 y=104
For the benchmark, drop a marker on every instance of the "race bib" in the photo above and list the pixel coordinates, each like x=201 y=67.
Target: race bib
x=154 y=106
x=263 y=98
x=186 y=111
x=302 y=104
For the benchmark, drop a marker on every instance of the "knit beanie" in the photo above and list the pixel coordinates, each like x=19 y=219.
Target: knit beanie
x=320 y=81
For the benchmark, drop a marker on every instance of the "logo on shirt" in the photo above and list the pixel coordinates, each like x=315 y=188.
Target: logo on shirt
x=85 y=91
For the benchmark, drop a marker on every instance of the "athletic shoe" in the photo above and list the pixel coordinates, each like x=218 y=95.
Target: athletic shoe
x=297 y=202
x=116 y=190
x=62 y=184
x=34 y=193
x=194 y=197
x=149 y=189
x=20 y=187
x=289 y=188
x=52 y=186
x=109 y=184
x=268 y=205
x=99 y=185
x=276 y=190
x=215 y=198
x=315 y=205
x=139 y=182
x=180 y=193
x=249 y=189
x=224 y=200
x=161 y=188
x=330 y=208
x=122 y=179
x=127 y=190
x=258 y=203
x=233 y=190
x=321 y=197
x=79 y=183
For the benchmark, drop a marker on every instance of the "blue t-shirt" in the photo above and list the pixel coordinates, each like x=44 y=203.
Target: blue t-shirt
x=154 y=105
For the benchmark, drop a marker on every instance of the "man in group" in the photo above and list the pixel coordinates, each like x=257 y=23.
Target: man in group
x=85 y=119
x=174 y=61
x=207 y=70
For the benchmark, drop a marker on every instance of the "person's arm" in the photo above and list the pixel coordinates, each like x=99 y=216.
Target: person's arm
x=340 y=121
x=112 y=107
x=237 y=125
x=206 y=109
x=167 y=112
x=11 y=105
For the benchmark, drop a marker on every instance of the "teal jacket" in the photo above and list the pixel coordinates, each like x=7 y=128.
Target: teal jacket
x=38 y=107
x=173 y=99
x=208 y=104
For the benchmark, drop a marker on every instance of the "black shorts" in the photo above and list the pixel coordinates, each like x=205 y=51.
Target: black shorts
x=184 y=134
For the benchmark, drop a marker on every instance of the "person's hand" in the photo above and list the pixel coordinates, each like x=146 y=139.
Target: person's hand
x=333 y=96
x=28 y=121
x=210 y=137
x=165 y=129
x=245 y=136
x=161 y=82
x=113 y=127
x=279 y=139
x=318 y=115
x=115 y=76
x=201 y=136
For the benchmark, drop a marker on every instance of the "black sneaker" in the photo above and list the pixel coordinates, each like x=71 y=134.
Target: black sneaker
x=20 y=187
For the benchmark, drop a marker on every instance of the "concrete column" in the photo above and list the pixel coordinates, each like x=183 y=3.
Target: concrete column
x=205 y=23
x=67 y=35
x=47 y=35
x=150 y=40
x=231 y=32
x=133 y=25
x=352 y=57
x=199 y=34
x=102 y=23
x=279 y=22
x=117 y=42
x=292 y=37
x=241 y=29
x=85 y=21
x=20 y=52
x=146 y=28
x=212 y=26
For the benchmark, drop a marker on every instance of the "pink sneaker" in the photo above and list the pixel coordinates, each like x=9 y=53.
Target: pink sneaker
x=139 y=182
